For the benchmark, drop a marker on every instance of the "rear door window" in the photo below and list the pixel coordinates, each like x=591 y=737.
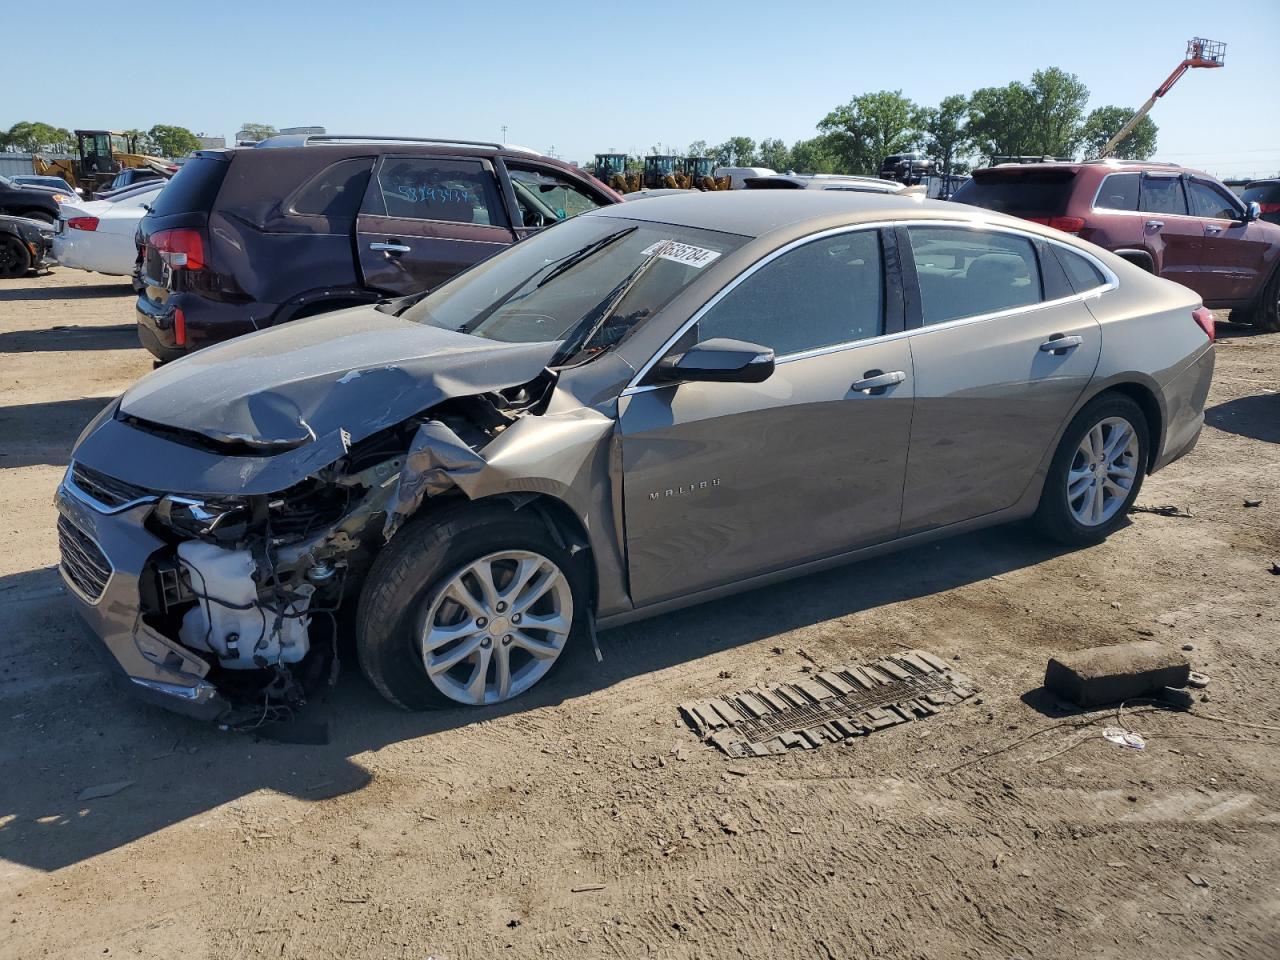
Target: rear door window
x=1209 y=201
x=1119 y=191
x=967 y=273
x=336 y=191
x=427 y=188
x=1162 y=195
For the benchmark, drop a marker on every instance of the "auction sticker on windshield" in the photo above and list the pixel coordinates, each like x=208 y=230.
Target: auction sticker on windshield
x=697 y=257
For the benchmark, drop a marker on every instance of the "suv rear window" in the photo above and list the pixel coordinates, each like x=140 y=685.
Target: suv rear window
x=193 y=188
x=1021 y=191
x=1119 y=191
x=336 y=191
x=1262 y=193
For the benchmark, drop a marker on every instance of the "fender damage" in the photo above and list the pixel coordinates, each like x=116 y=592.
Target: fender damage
x=241 y=543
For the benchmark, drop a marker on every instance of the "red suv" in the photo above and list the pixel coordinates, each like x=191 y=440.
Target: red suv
x=1181 y=224
x=248 y=238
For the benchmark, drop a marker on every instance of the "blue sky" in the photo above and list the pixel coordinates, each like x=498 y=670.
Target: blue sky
x=582 y=80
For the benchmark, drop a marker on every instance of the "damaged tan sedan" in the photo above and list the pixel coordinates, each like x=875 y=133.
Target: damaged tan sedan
x=640 y=408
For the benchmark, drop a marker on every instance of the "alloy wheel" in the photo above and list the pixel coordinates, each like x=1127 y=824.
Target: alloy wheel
x=497 y=627
x=1103 y=471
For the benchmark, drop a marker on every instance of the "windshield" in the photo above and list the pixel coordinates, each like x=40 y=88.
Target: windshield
x=587 y=282
x=1022 y=191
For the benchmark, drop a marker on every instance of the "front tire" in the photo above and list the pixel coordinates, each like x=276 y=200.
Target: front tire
x=471 y=607
x=1096 y=473
x=15 y=258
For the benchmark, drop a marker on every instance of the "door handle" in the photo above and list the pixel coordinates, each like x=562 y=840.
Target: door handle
x=1154 y=224
x=876 y=382
x=1213 y=228
x=390 y=247
x=1059 y=344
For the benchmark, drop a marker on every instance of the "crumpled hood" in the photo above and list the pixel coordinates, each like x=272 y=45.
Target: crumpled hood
x=354 y=371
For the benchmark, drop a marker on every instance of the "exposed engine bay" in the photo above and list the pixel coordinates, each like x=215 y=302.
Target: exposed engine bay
x=255 y=586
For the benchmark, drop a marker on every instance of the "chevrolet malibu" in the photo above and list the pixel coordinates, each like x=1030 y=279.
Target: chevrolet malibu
x=641 y=408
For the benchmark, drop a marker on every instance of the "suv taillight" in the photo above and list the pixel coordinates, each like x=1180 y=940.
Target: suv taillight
x=1065 y=224
x=1270 y=207
x=1203 y=316
x=180 y=248
x=83 y=223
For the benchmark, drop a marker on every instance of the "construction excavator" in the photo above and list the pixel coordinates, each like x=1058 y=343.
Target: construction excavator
x=1200 y=53
x=100 y=155
x=661 y=171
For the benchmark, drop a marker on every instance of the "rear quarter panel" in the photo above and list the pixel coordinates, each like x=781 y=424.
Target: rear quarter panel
x=1150 y=338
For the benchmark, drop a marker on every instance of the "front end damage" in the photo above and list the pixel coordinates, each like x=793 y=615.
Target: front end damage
x=228 y=606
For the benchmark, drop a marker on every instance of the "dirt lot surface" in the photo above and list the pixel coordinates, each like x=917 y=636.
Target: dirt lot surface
x=583 y=821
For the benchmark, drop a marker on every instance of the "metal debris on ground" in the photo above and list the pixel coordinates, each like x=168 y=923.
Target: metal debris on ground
x=1165 y=510
x=828 y=706
x=1125 y=738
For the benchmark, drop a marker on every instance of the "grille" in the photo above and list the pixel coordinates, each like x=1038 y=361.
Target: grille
x=108 y=491
x=83 y=561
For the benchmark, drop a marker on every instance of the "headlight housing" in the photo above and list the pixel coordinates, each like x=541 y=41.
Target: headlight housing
x=221 y=518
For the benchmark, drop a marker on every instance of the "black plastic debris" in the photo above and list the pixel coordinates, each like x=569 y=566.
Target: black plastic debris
x=828 y=706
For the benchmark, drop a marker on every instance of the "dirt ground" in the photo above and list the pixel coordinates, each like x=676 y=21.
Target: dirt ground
x=1000 y=828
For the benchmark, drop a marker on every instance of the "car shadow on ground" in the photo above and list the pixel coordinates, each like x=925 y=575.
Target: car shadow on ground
x=68 y=729
x=1256 y=417
x=11 y=294
x=44 y=433
x=120 y=336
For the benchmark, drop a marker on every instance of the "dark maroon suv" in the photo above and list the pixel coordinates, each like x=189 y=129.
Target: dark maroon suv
x=298 y=225
x=1179 y=223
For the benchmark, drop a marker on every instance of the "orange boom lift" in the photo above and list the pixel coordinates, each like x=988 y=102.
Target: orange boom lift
x=1200 y=53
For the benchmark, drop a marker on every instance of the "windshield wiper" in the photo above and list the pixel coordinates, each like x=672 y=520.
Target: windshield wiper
x=588 y=327
x=590 y=250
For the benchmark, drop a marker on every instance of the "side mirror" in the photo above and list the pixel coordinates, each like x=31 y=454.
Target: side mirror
x=719 y=360
x=1252 y=211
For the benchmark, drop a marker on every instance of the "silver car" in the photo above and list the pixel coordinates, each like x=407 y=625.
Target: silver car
x=643 y=407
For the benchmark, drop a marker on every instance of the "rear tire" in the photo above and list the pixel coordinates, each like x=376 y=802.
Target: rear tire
x=1090 y=486
x=1266 y=315
x=15 y=258
x=411 y=590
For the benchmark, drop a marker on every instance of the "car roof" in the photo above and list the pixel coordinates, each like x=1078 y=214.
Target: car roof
x=754 y=213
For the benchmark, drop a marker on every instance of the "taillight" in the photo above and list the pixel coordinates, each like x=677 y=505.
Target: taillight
x=1203 y=316
x=83 y=223
x=179 y=327
x=1269 y=207
x=1065 y=224
x=180 y=248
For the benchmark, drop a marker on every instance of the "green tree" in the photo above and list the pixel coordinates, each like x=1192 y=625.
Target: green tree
x=999 y=120
x=1105 y=122
x=773 y=153
x=870 y=127
x=33 y=137
x=256 y=131
x=171 y=141
x=815 y=155
x=946 y=137
x=698 y=148
x=735 y=152
x=1058 y=99
x=141 y=142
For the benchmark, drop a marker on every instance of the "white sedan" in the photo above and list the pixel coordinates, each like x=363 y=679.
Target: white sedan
x=98 y=235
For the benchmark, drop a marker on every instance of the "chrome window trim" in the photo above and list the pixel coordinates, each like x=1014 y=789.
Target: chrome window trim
x=634 y=386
